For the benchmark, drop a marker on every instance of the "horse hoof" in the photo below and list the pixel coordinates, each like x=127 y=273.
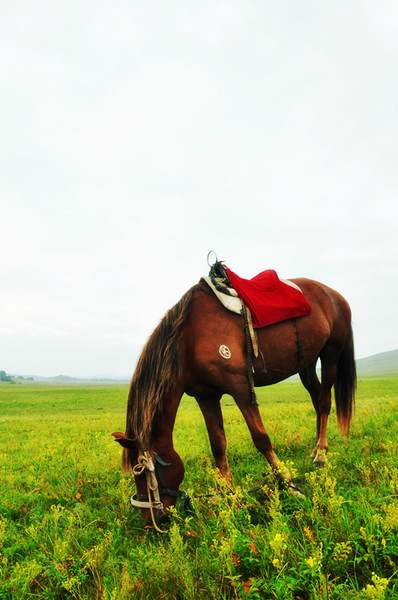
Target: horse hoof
x=320 y=459
x=295 y=492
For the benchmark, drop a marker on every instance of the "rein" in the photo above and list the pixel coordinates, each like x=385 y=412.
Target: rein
x=152 y=501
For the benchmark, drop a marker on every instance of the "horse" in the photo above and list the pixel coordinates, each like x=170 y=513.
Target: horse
x=200 y=348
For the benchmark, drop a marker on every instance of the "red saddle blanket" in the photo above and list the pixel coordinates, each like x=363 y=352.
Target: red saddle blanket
x=269 y=299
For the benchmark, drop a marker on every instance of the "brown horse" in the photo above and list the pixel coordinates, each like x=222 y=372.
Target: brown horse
x=186 y=353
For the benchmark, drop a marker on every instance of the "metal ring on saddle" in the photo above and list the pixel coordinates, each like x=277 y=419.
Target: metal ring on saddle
x=208 y=255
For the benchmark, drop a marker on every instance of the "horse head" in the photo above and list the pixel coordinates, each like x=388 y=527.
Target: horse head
x=157 y=479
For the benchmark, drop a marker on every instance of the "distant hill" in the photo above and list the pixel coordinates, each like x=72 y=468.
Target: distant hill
x=64 y=378
x=385 y=363
x=67 y=380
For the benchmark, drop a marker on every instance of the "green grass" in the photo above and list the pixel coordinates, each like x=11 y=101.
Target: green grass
x=67 y=529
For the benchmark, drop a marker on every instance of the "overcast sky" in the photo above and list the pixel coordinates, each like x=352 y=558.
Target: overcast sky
x=138 y=135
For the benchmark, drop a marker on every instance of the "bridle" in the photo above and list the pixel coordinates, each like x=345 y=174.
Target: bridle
x=154 y=474
x=152 y=467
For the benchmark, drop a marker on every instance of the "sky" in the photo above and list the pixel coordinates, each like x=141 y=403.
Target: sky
x=136 y=136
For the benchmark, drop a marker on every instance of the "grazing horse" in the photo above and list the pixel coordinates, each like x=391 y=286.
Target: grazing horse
x=200 y=348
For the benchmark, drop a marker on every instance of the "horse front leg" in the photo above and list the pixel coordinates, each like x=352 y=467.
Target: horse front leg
x=211 y=411
x=261 y=438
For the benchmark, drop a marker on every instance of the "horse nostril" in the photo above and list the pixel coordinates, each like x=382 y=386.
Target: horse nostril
x=164 y=518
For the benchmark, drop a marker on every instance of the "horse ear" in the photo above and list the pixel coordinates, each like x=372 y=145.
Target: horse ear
x=124 y=440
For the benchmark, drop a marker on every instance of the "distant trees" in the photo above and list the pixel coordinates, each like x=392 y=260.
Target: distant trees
x=5 y=377
x=13 y=379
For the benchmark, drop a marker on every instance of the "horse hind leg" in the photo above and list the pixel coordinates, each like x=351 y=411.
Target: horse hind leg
x=338 y=370
x=211 y=411
x=310 y=381
x=323 y=402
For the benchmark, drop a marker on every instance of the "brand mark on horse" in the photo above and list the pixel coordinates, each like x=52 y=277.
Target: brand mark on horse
x=224 y=351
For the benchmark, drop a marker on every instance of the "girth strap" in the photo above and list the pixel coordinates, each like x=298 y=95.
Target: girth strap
x=300 y=350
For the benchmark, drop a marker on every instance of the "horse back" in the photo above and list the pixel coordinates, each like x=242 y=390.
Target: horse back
x=327 y=302
x=213 y=342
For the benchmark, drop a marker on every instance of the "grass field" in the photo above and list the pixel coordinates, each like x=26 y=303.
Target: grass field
x=67 y=529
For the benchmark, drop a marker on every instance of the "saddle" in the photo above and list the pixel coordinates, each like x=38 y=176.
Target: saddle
x=219 y=283
x=263 y=300
x=268 y=299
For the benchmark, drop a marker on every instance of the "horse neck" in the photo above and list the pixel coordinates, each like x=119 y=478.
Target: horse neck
x=163 y=425
x=155 y=388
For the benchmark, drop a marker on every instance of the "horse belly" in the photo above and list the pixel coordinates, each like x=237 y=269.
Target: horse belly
x=280 y=347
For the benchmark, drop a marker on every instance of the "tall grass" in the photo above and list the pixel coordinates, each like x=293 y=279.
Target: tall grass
x=67 y=529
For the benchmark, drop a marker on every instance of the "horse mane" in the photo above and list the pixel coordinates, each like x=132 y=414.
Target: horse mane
x=157 y=370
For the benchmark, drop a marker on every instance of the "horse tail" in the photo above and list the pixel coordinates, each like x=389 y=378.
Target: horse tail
x=157 y=372
x=345 y=385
